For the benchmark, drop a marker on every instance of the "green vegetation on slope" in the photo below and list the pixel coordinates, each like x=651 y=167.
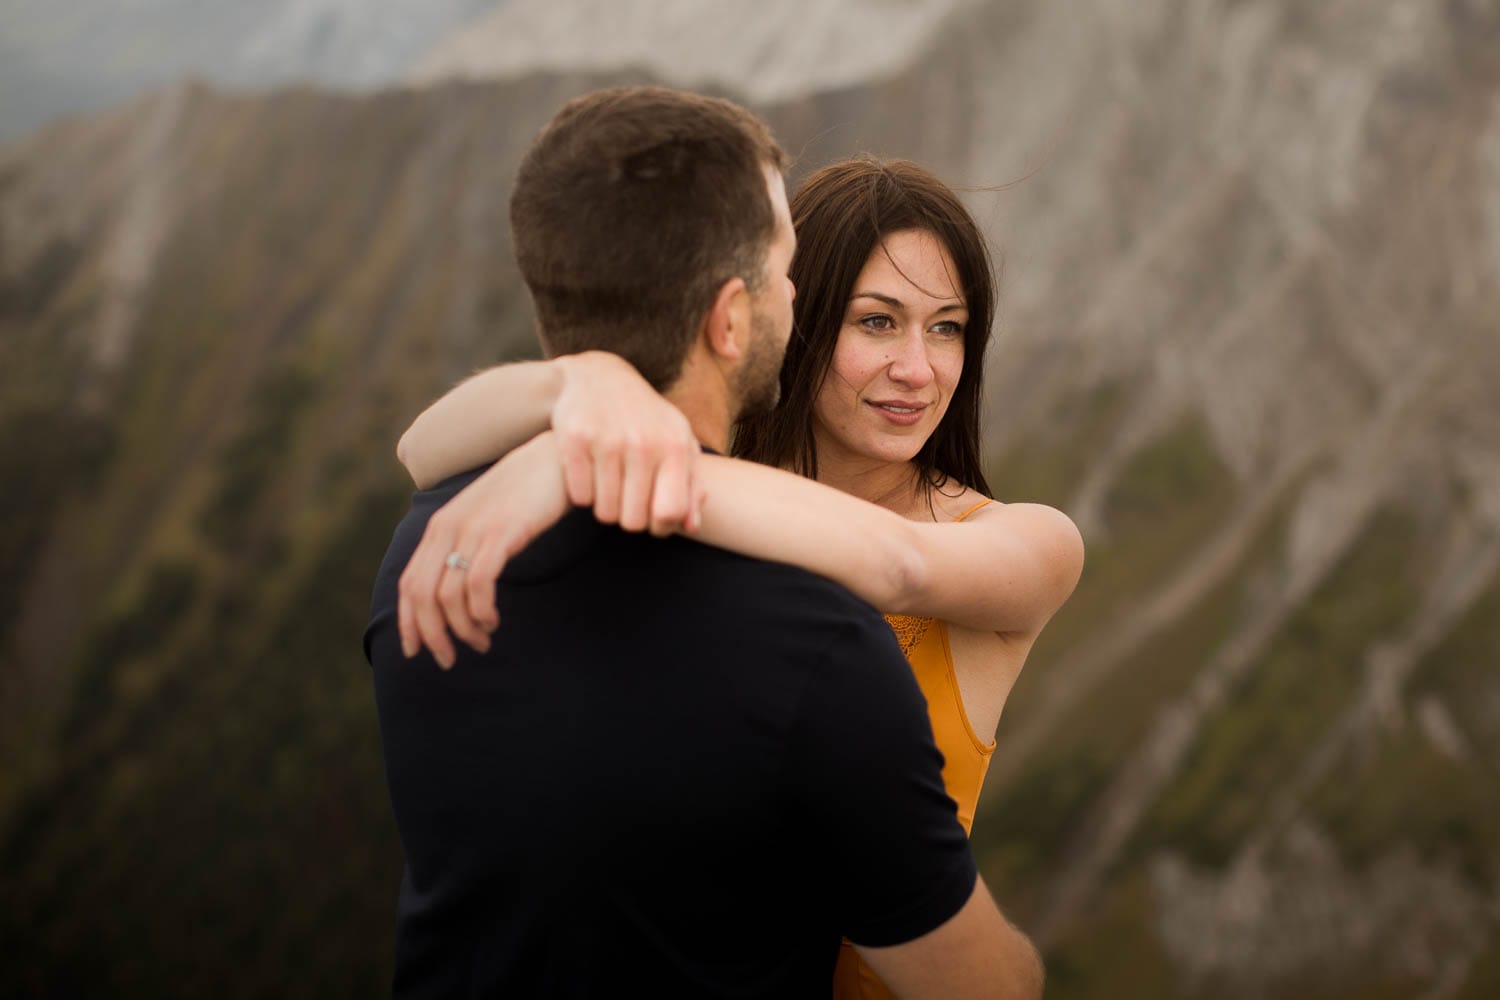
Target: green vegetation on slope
x=1018 y=834
x=46 y=457
x=250 y=463
x=1114 y=951
x=1047 y=464
x=1282 y=708
x=1483 y=982
x=1407 y=794
x=1462 y=671
x=1168 y=500
x=1404 y=792
x=236 y=813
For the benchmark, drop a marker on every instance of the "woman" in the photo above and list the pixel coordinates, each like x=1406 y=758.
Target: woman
x=880 y=396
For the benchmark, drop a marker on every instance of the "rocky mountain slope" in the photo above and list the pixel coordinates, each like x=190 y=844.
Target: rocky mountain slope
x=1250 y=338
x=773 y=50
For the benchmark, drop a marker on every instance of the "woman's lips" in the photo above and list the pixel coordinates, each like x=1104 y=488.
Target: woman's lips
x=899 y=413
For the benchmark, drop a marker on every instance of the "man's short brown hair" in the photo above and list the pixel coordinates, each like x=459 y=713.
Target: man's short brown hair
x=630 y=211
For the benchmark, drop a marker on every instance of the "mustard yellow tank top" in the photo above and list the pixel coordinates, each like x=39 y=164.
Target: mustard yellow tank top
x=966 y=758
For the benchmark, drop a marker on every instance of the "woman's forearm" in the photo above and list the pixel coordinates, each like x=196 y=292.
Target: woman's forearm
x=1007 y=571
x=480 y=420
x=769 y=514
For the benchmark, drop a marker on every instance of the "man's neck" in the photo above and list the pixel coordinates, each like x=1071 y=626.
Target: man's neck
x=702 y=394
x=706 y=410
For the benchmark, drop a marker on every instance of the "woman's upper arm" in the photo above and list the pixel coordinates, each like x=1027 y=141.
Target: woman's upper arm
x=1006 y=569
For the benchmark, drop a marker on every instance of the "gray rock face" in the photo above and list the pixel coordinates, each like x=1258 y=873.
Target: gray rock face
x=766 y=51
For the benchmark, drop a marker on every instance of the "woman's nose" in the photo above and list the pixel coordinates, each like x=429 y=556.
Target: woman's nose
x=909 y=365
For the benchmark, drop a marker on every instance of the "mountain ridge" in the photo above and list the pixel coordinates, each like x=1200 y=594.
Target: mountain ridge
x=689 y=43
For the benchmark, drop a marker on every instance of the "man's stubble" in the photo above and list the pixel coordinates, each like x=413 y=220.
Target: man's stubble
x=758 y=381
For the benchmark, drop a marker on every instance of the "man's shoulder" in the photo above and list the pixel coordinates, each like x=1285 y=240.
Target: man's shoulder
x=822 y=627
x=779 y=605
x=425 y=503
x=779 y=588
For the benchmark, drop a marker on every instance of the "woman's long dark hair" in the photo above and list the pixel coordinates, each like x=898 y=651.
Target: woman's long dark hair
x=842 y=213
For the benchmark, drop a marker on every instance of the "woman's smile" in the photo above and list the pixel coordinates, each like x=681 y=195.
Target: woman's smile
x=900 y=414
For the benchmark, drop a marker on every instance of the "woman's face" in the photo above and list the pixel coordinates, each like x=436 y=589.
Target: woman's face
x=899 y=355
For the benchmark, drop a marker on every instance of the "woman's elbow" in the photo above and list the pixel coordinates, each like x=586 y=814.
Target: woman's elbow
x=1060 y=565
x=1070 y=557
x=406 y=454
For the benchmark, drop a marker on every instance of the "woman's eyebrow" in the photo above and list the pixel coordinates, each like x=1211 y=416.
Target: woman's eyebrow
x=896 y=303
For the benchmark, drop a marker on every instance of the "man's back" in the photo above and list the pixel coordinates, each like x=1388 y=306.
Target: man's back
x=676 y=769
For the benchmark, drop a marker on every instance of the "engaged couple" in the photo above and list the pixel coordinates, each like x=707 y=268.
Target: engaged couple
x=690 y=653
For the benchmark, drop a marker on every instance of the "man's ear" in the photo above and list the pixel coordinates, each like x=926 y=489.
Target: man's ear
x=727 y=328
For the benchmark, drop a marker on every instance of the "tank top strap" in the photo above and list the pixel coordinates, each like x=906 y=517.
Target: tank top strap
x=972 y=509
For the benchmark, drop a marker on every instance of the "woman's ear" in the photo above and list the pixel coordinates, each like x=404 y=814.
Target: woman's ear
x=727 y=330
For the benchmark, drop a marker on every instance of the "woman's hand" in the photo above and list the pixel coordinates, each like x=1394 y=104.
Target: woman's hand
x=616 y=446
x=626 y=451
x=480 y=529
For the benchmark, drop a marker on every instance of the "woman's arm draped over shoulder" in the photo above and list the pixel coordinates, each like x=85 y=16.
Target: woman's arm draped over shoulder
x=625 y=450
x=1007 y=569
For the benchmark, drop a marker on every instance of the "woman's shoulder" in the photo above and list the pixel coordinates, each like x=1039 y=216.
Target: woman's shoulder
x=972 y=505
x=1043 y=539
x=1047 y=525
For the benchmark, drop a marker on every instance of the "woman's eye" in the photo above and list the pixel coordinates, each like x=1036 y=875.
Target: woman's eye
x=877 y=321
x=949 y=329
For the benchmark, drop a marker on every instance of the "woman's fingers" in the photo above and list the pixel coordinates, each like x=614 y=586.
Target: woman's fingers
x=672 y=494
x=453 y=600
x=699 y=496
x=406 y=625
x=449 y=582
x=636 y=486
x=489 y=559
x=418 y=594
x=609 y=475
x=578 y=469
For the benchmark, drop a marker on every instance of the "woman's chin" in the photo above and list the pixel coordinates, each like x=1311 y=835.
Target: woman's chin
x=877 y=445
x=893 y=450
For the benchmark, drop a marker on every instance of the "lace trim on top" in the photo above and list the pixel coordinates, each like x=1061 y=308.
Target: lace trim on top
x=909 y=629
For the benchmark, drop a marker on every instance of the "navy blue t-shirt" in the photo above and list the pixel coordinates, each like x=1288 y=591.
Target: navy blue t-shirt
x=677 y=770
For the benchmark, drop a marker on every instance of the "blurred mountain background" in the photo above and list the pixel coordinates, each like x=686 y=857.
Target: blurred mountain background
x=61 y=59
x=1250 y=340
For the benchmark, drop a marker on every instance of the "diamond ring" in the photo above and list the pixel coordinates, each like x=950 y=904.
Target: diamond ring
x=456 y=560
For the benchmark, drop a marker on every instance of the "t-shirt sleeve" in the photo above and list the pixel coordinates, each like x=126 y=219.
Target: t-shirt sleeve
x=869 y=776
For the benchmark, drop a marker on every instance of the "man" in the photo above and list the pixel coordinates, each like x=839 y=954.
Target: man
x=673 y=769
